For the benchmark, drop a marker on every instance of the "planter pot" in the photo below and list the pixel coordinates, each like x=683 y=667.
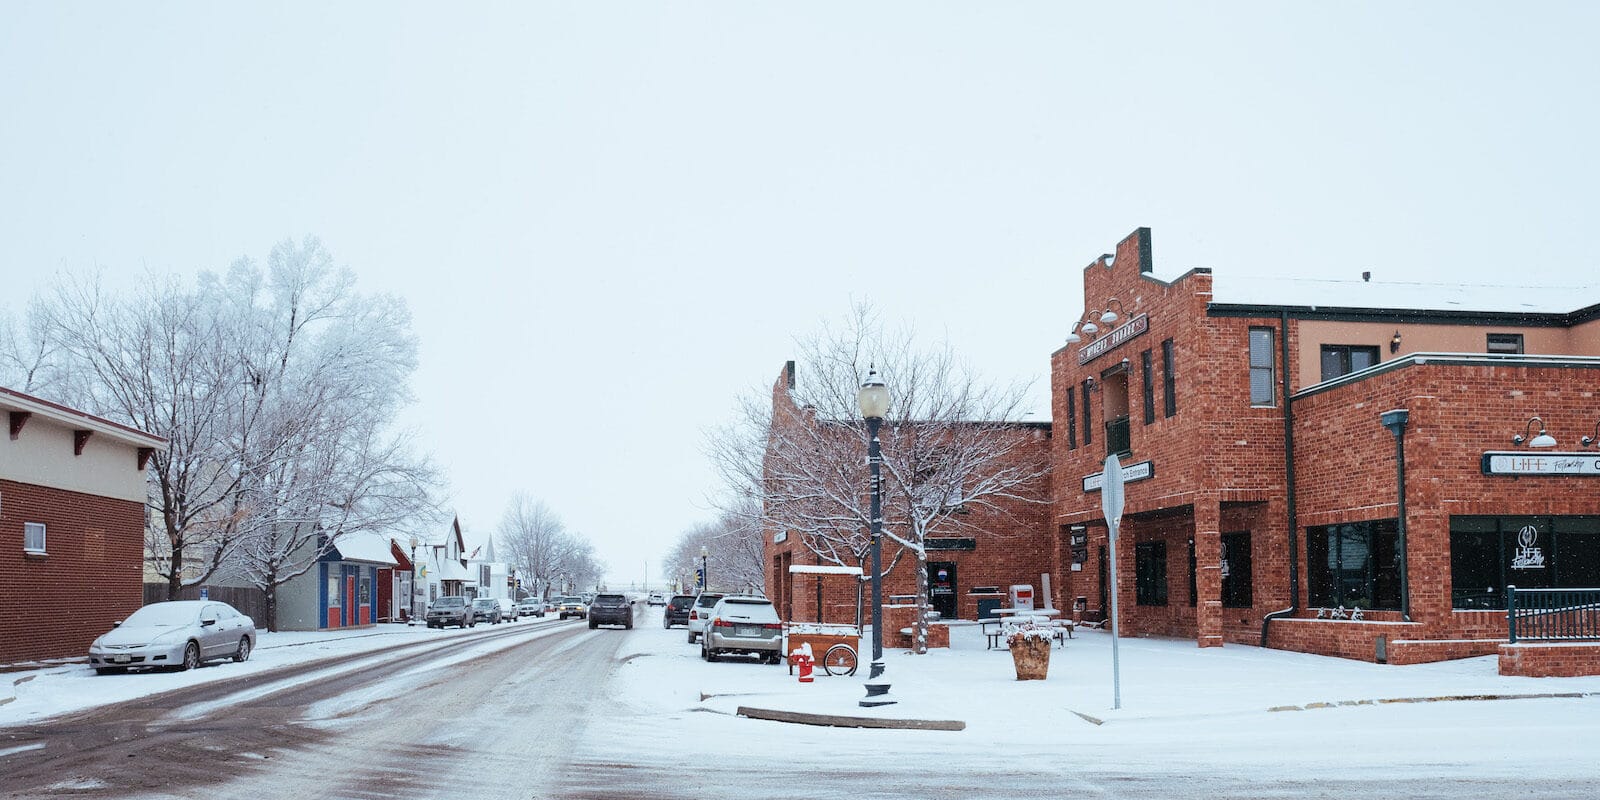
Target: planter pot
x=1031 y=656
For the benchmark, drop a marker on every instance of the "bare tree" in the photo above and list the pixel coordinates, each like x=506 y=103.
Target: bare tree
x=951 y=444
x=535 y=539
x=733 y=551
x=30 y=357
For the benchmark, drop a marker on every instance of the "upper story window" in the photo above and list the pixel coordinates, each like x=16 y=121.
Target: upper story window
x=1169 y=386
x=1072 y=420
x=33 y=537
x=1343 y=359
x=1261 y=391
x=1508 y=343
x=1149 y=387
x=1088 y=435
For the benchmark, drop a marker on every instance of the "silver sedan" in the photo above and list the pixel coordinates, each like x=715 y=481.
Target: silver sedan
x=180 y=633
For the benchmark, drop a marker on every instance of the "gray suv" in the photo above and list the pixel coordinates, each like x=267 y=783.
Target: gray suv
x=452 y=610
x=744 y=624
x=611 y=609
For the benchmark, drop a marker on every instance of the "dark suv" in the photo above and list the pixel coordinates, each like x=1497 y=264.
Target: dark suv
x=677 y=612
x=611 y=609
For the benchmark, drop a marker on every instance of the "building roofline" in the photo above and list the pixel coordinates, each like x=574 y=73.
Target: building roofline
x=1463 y=359
x=1413 y=316
x=66 y=415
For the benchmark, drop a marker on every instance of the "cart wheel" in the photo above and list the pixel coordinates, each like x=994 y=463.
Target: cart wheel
x=839 y=660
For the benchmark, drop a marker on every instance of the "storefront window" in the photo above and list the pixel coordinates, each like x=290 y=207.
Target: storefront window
x=1236 y=591
x=1150 y=573
x=334 y=599
x=1354 y=565
x=1489 y=553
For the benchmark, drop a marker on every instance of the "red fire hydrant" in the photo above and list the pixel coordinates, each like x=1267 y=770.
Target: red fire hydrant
x=801 y=658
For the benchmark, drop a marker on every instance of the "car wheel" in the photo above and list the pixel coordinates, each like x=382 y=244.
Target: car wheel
x=243 y=653
x=110 y=670
x=591 y=624
x=691 y=637
x=191 y=657
x=628 y=624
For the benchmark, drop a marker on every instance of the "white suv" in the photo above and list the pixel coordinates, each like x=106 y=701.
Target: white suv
x=700 y=612
x=744 y=625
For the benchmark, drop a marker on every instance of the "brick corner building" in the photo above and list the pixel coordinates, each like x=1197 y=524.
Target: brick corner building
x=1262 y=425
x=72 y=520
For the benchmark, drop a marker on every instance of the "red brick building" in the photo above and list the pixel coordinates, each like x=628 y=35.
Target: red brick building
x=974 y=553
x=72 y=519
x=1263 y=493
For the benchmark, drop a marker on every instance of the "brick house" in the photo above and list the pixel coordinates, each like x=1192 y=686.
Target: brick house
x=72 y=521
x=977 y=549
x=1263 y=499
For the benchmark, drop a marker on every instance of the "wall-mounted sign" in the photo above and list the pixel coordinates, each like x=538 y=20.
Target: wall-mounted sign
x=1117 y=336
x=1526 y=463
x=777 y=538
x=952 y=544
x=1133 y=472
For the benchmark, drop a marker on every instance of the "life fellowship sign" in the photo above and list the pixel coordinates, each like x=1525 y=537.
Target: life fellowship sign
x=1524 y=463
x=1117 y=336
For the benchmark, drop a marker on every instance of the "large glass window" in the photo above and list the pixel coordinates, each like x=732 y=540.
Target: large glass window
x=1507 y=343
x=1489 y=553
x=1354 y=565
x=1072 y=420
x=1088 y=424
x=1149 y=387
x=1236 y=591
x=1343 y=359
x=1261 y=390
x=1150 y=573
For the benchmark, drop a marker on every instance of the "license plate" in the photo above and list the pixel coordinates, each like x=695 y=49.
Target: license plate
x=120 y=659
x=747 y=630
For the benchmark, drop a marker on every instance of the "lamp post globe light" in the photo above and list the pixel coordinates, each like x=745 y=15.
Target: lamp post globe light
x=873 y=400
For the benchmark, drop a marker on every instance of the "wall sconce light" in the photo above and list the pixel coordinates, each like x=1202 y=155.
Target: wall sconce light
x=1089 y=327
x=1091 y=383
x=1394 y=343
x=1072 y=336
x=1110 y=317
x=1590 y=439
x=1542 y=440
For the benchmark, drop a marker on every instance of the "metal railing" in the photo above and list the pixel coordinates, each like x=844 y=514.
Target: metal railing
x=1552 y=614
x=1119 y=439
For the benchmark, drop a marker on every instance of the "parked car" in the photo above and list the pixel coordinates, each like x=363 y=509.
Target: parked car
x=181 y=634
x=508 y=610
x=677 y=612
x=611 y=609
x=531 y=607
x=571 y=606
x=700 y=612
x=743 y=624
x=486 y=609
x=450 y=610
x=657 y=599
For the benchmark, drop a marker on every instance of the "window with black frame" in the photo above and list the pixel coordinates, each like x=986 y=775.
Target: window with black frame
x=1343 y=359
x=1529 y=552
x=1236 y=573
x=1150 y=573
x=1354 y=565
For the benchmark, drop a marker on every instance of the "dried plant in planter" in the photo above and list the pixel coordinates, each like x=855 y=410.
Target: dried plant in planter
x=1030 y=649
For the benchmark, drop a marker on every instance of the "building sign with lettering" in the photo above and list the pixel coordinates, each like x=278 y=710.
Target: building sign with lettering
x=1130 y=473
x=1117 y=336
x=1528 y=554
x=952 y=544
x=1526 y=463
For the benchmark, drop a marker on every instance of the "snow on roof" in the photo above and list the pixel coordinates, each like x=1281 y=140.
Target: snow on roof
x=369 y=547
x=809 y=569
x=1282 y=290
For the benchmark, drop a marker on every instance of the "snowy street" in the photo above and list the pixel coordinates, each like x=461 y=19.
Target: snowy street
x=552 y=709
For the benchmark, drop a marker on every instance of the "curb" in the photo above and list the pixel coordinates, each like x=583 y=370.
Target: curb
x=1448 y=698
x=837 y=721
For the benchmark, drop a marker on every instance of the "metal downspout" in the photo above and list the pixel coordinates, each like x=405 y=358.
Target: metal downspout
x=1289 y=483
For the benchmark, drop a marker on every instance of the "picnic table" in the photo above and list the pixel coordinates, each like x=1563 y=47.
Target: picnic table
x=994 y=628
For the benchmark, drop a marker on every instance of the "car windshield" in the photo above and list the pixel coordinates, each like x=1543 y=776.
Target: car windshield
x=486 y=602
x=708 y=600
x=610 y=598
x=450 y=601
x=753 y=610
x=162 y=615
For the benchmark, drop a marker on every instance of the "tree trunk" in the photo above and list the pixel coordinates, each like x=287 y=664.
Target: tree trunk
x=175 y=564
x=271 y=593
x=919 y=626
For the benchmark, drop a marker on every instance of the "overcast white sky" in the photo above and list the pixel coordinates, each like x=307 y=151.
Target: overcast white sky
x=610 y=219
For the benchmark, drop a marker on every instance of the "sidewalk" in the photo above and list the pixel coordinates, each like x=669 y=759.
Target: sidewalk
x=1161 y=679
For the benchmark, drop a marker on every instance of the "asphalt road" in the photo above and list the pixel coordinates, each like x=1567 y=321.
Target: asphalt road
x=434 y=720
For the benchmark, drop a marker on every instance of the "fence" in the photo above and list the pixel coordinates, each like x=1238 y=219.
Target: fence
x=250 y=601
x=1552 y=614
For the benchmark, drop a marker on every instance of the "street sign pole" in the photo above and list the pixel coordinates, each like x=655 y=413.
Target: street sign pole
x=1111 y=504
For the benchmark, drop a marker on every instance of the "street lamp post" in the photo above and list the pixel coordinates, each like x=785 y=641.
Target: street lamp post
x=411 y=602
x=874 y=402
x=705 y=571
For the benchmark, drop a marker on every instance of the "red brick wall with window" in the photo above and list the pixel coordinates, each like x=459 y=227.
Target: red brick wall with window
x=54 y=605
